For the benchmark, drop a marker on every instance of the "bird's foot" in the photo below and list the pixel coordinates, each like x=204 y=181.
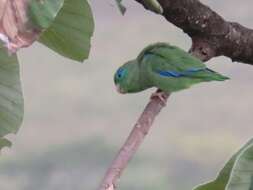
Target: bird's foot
x=161 y=96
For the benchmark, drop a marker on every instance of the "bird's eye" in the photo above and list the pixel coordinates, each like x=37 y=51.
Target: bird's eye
x=120 y=73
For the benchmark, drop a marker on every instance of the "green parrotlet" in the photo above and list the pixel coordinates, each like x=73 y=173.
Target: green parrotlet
x=164 y=66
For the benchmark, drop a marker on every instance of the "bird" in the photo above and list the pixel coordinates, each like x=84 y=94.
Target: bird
x=167 y=67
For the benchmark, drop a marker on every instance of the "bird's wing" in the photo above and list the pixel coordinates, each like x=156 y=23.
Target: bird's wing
x=164 y=57
x=172 y=69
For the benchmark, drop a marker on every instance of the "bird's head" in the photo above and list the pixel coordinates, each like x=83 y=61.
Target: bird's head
x=127 y=79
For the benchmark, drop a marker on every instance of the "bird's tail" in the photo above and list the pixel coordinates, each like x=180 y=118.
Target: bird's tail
x=212 y=75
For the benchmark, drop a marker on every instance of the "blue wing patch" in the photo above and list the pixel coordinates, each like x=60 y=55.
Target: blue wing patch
x=181 y=74
x=169 y=73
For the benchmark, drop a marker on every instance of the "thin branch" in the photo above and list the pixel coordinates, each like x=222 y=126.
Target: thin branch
x=132 y=143
x=211 y=34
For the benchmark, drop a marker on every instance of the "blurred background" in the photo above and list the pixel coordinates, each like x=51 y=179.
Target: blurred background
x=75 y=121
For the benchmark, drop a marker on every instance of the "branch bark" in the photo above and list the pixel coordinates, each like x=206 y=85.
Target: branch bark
x=211 y=34
x=136 y=137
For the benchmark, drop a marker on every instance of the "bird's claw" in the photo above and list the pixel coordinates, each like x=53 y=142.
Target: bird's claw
x=160 y=96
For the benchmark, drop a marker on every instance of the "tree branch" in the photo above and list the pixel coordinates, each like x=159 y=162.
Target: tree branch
x=211 y=34
x=132 y=143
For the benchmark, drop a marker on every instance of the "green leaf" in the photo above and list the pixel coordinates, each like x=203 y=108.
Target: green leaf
x=223 y=177
x=241 y=177
x=11 y=99
x=121 y=7
x=42 y=13
x=70 y=33
x=152 y=5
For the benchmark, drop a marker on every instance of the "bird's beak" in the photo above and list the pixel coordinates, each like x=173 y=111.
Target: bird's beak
x=119 y=90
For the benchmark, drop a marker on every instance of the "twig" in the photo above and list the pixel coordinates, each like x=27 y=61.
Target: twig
x=132 y=143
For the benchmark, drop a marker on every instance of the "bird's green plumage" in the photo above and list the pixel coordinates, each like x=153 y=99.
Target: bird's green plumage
x=166 y=67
